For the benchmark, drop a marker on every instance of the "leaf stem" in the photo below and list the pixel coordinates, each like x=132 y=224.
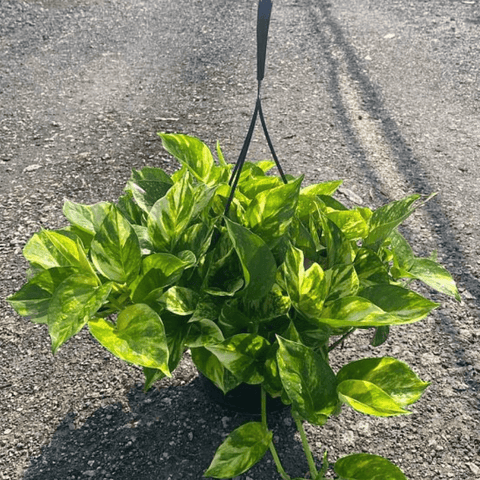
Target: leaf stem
x=340 y=340
x=264 y=407
x=306 y=446
x=280 y=469
x=273 y=451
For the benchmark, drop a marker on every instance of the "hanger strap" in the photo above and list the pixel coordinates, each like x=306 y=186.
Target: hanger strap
x=263 y=22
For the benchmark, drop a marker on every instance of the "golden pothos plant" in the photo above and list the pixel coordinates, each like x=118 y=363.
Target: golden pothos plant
x=261 y=295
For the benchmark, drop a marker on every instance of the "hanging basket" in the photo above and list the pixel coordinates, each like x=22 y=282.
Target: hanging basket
x=244 y=398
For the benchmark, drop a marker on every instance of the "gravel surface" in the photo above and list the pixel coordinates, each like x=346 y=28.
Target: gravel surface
x=385 y=95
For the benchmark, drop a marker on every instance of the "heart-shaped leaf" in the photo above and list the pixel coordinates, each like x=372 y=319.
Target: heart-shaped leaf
x=364 y=466
x=307 y=288
x=385 y=219
x=241 y=354
x=138 y=337
x=242 y=449
x=271 y=211
x=377 y=306
x=88 y=218
x=258 y=263
x=73 y=303
x=191 y=152
x=33 y=299
x=50 y=249
x=158 y=270
x=366 y=397
x=308 y=380
x=180 y=300
x=394 y=377
x=213 y=369
x=115 y=249
x=147 y=186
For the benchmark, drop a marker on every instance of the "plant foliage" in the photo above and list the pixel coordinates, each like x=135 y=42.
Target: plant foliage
x=259 y=296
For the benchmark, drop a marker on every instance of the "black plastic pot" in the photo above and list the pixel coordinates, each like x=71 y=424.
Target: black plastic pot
x=244 y=398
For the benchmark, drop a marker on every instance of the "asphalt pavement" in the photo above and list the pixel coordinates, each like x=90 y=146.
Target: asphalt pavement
x=385 y=95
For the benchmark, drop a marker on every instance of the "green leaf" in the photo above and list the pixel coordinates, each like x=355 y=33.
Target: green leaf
x=221 y=159
x=377 y=306
x=366 y=397
x=270 y=213
x=179 y=174
x=435 y=276
x=403 y=255
x=176 y=211
x=221 y=271
x=307 y=207
x=307 y=289
x=176 y=329
x=73 y=303
x=229 y=288
x=49 y=249
x=232 y=320
x=317 y=337
x=355 y=312
x=148 y=185
x=301 y=238
x=342 y=280
x=242 y=354
x=364 y=466
x=308 y=380
x=77 y=234
x=404 y=304
x=385 y=219
x=325 y=188
x=381 y=336
x=171 y=215
x=394 y=377
x=144 y=240
x=138 y=337
x=152 y=375
x=196 y=238
x=179 y=300
x=115 y=249
x=130 y=209
x=273 y=305
x=351 y=222
x=205 y=310
x=88 y=218
x=291 y=333
x=426 y=270
x=258 y=263
x=191 y=152
x=158 y=270
x=251 y=172
x=203 y=332
x=213 y=369
x=339 y=248
x=265 y=165
x=370 y=268
x=272 y=382
x=242 y=449
x=253 y=188
x=33 y=299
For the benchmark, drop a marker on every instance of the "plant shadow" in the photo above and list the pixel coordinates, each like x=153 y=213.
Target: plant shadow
x=169 y=434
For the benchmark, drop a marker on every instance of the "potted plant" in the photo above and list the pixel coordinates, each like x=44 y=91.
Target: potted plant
x=260 y=295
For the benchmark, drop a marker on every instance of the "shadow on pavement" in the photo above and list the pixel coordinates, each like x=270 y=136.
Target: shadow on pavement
x=170 y=434
x=407 y=164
